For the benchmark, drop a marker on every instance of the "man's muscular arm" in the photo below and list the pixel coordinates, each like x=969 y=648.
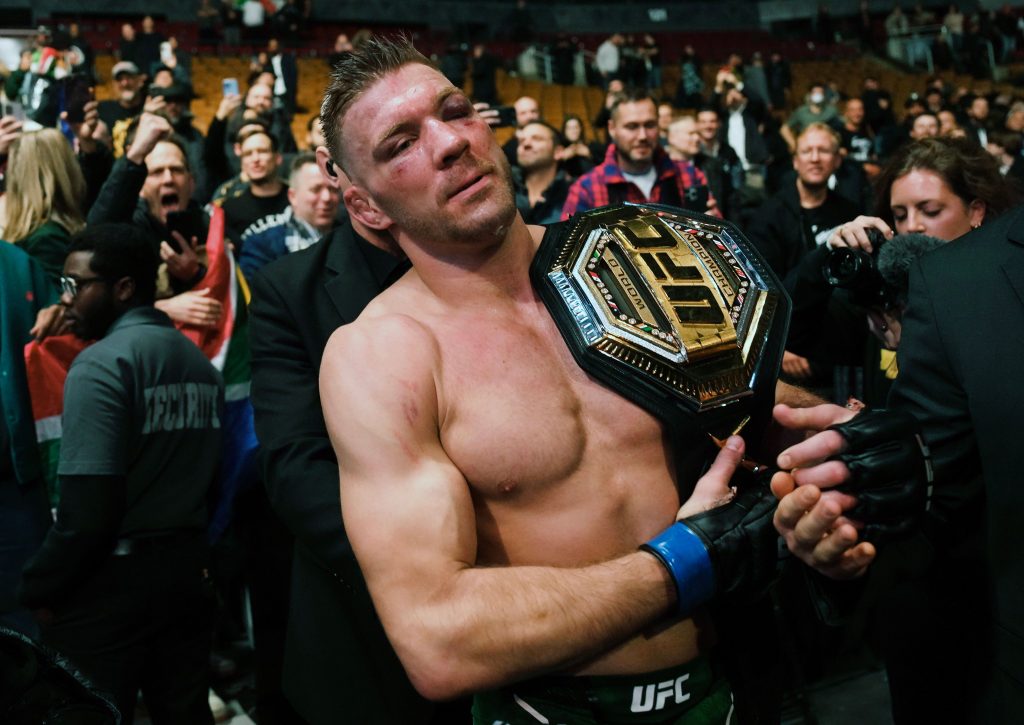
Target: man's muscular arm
x=410 y=518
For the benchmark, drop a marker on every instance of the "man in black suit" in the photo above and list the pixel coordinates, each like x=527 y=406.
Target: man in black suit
x=338 y=662
x=959 y=358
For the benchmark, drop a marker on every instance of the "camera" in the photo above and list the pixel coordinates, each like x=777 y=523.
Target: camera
x=857 y=272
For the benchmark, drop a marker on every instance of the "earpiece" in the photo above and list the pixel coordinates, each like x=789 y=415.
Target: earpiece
x=330 y=169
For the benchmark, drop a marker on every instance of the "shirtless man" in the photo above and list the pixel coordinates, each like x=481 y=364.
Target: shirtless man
x=494 y=494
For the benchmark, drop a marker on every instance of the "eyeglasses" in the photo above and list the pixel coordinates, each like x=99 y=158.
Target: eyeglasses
x=71 y=285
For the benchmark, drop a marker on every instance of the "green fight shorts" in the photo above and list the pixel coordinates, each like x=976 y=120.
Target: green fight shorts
x=690 y=694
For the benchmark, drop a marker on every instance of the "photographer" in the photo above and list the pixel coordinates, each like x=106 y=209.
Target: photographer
x=937 y=187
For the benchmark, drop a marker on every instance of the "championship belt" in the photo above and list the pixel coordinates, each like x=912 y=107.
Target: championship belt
x=675 y=310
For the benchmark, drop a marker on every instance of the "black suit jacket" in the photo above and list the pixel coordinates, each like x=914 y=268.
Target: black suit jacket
x=339 y=665
x=960 y=358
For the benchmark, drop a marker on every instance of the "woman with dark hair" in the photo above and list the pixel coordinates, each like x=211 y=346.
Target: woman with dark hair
x=941 y=188
x=578 y=156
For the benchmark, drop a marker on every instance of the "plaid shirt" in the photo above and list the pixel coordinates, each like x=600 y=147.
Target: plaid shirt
x=606 y=184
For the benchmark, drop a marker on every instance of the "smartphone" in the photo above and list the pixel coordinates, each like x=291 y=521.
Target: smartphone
x=77 y=92
x=165 y=52
x=506 y=116
x=230 y=86
x=183 y=223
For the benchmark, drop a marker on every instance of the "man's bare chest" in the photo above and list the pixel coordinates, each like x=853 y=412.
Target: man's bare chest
x=517 y=412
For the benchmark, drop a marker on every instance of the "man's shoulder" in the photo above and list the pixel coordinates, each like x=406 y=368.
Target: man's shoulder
x=374 y=340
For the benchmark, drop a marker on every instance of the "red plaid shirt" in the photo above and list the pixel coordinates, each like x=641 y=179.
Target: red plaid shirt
x=606 y=184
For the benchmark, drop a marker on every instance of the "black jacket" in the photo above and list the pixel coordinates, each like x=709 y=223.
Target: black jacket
x=960 y=361
x=778 y=230
x=338 y=662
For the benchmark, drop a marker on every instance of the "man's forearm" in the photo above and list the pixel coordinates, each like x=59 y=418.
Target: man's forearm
x=120 y=193
x=484 y=627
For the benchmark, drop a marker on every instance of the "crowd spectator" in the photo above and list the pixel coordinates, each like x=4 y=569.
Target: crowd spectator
x=483 y=70
x=527 y=110
x=286 y=74
x=924 y=125
x=342 y=46
x=977 y=119
x=45 y=198
x=128 y=46
x=803 y=214
x=858 y=142
x=815 y=109
x=148 y=46
x=208 y=20
x=609 y=58
x=264 y=194
x=541 y=187
x=635 y=166
x=311 y=214
x=577 y=155
x=689 y=92
x=231 y=22
x=129 y=85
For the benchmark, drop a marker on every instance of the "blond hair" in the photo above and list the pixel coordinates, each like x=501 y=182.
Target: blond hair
x=44 y=184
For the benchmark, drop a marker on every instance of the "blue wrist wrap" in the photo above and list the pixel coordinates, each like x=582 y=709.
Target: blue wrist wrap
x=686 y=558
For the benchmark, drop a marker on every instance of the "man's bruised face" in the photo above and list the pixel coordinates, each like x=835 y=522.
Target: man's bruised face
x=423 y=164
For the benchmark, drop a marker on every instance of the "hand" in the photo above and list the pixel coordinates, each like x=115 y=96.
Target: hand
x=194 y=307
x=811 y=521
x=151 y=130
x=736 y=529
x=154 y=104
x=183 y=265
x=10 y=131
x=815 y=530
x=228 y=105
x=855 y=234
x=86 y=131
x=49 y=321
x=795 y=366
x=713 y=487
x=490 y=115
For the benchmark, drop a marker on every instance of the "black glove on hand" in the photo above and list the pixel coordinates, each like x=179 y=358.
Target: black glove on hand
x=729 y=550
x=741 y=540
x=890 y=472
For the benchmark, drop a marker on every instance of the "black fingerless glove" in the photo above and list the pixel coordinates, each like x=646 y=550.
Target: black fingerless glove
x=890 y=472
x=731 y=550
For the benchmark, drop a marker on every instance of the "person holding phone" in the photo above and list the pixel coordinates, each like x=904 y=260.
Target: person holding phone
x=636 y=168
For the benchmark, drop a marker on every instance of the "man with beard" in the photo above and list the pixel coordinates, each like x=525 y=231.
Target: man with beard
x=493 y=493
x=128 y=82
x=265 y=193
x=121 y=585
x=636 y=168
